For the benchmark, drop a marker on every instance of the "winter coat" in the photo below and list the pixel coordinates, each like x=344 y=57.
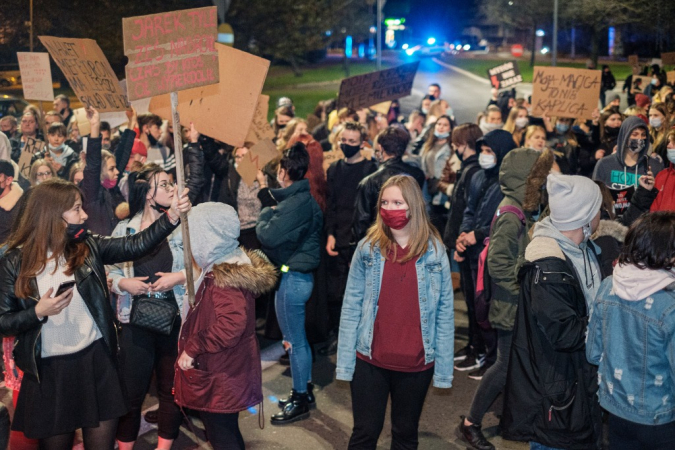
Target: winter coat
x=665 y=186
x=459 y=199
x=17 y=315
x=365 y=207
x=8 y=210
x=631 y=337
x=607 y=81
x=290 y=234
x=219 y=333
x=609 y=236
x=70 y=158
x=550 y=390
x=522 y=174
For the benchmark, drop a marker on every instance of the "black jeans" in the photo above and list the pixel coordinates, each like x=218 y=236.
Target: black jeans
x=489 y=337
x=469 y=290
x=493 y=381
x=371 y=387
x=141 y=351
x=626 y=435
x=338 y=271
x=222 y=430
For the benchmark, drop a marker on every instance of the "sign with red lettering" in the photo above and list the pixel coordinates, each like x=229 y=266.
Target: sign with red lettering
x=363 y=91
x=564 y=92
x=505 y=75
x=88 y=72
x=171 y=51
x=36 y=76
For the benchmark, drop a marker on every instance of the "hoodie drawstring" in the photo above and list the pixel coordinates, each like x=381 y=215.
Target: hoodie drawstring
x=586 y=267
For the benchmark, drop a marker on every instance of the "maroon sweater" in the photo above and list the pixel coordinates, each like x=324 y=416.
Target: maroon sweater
x=397 y=334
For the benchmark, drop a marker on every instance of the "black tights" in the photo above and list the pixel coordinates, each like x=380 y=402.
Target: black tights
x=100 y=438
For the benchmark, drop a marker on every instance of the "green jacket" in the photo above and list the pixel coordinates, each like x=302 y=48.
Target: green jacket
x=509 y=238
x=290 y=233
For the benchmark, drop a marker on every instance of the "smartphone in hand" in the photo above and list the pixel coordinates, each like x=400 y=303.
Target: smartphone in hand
x=63 y=287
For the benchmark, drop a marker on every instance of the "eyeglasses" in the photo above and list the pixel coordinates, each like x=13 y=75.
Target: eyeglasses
x=166 y=185
x=44 y=174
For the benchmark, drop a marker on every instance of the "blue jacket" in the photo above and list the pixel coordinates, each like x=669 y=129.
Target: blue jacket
x=633 y=343
x=359 y=309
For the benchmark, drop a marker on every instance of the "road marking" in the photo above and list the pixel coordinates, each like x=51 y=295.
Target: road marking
x=462 y=71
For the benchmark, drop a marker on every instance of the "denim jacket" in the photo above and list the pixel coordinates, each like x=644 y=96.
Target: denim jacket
x=359 y=310
x=126 y=269
x=633 y=344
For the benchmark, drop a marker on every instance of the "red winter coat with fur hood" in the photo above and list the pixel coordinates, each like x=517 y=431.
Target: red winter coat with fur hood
x=219 y=333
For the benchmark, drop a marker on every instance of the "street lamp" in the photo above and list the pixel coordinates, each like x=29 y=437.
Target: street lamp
x=554 y=53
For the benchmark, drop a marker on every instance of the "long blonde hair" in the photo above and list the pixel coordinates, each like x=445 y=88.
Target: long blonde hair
x=288 y=133
x=421 y=229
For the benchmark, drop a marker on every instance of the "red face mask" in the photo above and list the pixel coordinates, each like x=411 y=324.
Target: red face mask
x=395 y=219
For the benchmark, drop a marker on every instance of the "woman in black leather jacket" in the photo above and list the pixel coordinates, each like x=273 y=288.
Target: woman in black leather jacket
x=66 y=344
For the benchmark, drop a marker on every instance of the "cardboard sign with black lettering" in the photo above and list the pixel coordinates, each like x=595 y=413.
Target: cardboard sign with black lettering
x=505 y=75
x=29 y=150
x=260 y=127
x=668 y=58
x=565 y=92
x=88 y=72
x=671 y=77
x=171 y=51
x=36 y=76
x=362 y=91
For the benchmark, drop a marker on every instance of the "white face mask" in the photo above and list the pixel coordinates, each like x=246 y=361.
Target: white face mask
x=487 y=161
x=671 y=155
x=492 y=126
x=521 y=122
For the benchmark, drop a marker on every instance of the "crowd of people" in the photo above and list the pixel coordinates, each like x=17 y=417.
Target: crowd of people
x=559 y=233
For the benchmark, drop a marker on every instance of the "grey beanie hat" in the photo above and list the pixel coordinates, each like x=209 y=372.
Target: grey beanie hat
x=611 y=97
x=573 y=200
x=214 y=230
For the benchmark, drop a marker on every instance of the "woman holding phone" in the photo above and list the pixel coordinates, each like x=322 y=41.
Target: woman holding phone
x=67 y=344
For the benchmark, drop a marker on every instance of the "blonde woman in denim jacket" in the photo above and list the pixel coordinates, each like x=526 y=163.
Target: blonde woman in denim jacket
x=397 y=323
x=631 y=337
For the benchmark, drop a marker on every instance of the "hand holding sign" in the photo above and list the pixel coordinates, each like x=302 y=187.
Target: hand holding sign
x=29 y=150
x=256 y=158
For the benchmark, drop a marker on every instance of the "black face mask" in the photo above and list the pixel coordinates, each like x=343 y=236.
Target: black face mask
x=349 y=150
x=76 y=232
x=159 y=208
x=152 y=139
x=612 y=131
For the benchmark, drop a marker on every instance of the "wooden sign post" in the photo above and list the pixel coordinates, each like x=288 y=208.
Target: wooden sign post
x=170 y=52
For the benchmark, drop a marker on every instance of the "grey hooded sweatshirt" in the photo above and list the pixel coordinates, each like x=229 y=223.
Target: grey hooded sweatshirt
x=621 y=179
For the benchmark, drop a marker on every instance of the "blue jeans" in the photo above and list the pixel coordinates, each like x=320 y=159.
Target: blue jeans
x=294 y=290
x=538 y=446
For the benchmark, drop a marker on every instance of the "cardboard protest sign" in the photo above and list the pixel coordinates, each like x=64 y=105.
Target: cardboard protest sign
x=505 y=75
x=668 y=58
x=565 y=92
x=260 y=128
x=171 y=51
x=256 y=158
x=382 y=108
x=29 y=150
x=362 y=91
x=330 y=157
x=36 y=76
x=671 y=77
x=633 y=60
x=639 y=84
x=115 y=119
x=223 y=111
x=88 y=72
x=82 y=121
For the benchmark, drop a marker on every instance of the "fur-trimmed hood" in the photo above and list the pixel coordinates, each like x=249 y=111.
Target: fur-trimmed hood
x=611 y=228
x=258 y=277
x=535 y=195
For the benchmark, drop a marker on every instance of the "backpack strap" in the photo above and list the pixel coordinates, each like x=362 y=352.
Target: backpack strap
x=513 y=210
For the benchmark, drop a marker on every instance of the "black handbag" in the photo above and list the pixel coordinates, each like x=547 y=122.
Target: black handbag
x=154 y=313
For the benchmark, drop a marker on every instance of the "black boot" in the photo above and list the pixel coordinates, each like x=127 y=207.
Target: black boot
x=474 y=436
x=296 y=409
x=310 y=396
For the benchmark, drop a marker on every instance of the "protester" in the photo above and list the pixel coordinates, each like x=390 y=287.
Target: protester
x=343 y=178
x=220 y=373
x=62 y=106
x=659 y=126
x=9 y=126
x=665 y=180
x=282 y=115
x=60 y=392
x=391 y=146
x=607 y=83
x=148 y=135
x=158 y=275
x=290 y=235
x=630 y=338
x=10 y=193
x=57 y=152
x=30 y=129
x=621 y=171
x=50 y=118
x=609 y=125
x=492 y=119
x=393 y=338
x=516 y=124
x=41 y=170
x=560 y=138
x=549 y=397
x=435 y=153
x=521 y=176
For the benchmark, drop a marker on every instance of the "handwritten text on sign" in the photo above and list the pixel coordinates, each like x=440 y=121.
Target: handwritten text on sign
x=362 y=91
x=29 y=150
x=563 y=92
x=88 y=72
x=171 y=51
x=36 y=76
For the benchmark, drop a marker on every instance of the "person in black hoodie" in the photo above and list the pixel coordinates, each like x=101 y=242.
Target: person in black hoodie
x=605 y=137
x=484 y=198
x=391 y=145
x=464 y=139
x=607 y=83
x=343 y=179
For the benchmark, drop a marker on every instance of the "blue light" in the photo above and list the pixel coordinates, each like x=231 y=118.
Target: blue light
x=329 y=32
x=431 y=41
x=405 y=46
x=253 y=410
x=410 y=52
x=348 y=46
x=273 y=399
x=362 y=50
x=540 y=33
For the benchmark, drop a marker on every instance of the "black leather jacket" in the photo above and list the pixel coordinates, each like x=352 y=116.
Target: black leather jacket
x=17 y=315
x=365 y=207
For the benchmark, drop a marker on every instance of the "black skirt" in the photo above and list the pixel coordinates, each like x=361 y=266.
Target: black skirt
x=75 y=391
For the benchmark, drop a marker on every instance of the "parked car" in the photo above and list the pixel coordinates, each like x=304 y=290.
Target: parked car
x=10 y=78
x=12 y=106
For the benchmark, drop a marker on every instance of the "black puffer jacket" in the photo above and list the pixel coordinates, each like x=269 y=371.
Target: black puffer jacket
x=17 y=315
x=460 y=196
x=365 y=207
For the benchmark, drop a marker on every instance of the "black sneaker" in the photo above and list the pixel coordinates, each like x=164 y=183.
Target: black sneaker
x=285 y=359
x=296 y=409
x=473 y=435
x=478 y=373
x=472 y=362
x=461 y=354
x=152 y=416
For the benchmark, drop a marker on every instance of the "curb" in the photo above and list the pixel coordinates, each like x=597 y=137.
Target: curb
x=462 y=71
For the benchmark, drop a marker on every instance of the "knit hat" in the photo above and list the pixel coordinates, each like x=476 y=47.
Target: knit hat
x=573 y=200
x=284 y=101
x=642 y=100
x=214 y=230
x=611 y=97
